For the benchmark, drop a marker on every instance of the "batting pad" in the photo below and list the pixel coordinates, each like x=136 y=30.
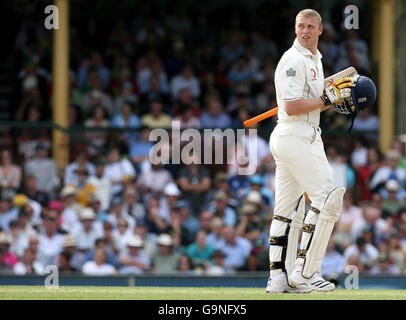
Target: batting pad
x=329 y=215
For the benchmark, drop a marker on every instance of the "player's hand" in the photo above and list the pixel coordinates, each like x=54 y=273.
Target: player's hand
x=339 y=91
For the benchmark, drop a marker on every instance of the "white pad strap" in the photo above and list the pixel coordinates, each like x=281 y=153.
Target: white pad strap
x=329 y=215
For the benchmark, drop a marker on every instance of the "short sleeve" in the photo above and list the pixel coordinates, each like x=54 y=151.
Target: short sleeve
x=292 y=79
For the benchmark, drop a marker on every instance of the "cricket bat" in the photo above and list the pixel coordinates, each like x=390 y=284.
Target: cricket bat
x=349 y=72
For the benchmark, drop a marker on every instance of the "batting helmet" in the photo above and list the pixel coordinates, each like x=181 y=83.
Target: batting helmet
x=363 y=93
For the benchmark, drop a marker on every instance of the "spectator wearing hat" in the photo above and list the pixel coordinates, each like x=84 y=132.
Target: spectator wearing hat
x=194 y=182
x=156 y=118
x=102 y=185
x=99 y=265
x=131 y=205
x=148 y=238
x=217 y=268
x=249 y=225
x=220 y=182
x=199 y=251
x=257 y=184
x=64 y=264
x=169 y=200
x=165 y=260
x=70 y=176
x=118 y=170
x=31 y=191
x=10 y=174
x=7 y=212
x=237 y=249
x=221 y=208
x=385 y=266
x=43 y=169
x=391 y=204
x=134 y=261
x=50 y=240
x=86 y=233
x=69 y=207
x=24 y=231
x=28 y=264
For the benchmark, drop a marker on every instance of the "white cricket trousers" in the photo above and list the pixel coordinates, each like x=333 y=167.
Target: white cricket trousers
x=301 y=166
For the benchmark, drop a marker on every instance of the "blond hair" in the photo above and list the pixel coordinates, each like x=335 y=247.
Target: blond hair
x=308 y=13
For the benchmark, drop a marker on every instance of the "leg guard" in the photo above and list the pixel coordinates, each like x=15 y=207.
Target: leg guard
x=329 y=215
x=283 y=239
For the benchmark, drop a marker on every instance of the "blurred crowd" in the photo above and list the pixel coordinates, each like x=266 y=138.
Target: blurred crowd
x=113 y=211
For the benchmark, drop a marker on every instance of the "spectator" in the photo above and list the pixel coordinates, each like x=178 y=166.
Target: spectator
x=249 y=226
x=64 y=265
x=156 y=118
x=8 y=257
x=94 y=63
x=240 y=73
x=205 y=219
x=195 y=182
x=122 y=234
x=396 y=253
x=365 y=173
x=391 y=204
x=169 y=200
x=126 y=119
x=118 y=170
x=220 y=208
x=116 y=213
x=153 y=181
x=148 y=238
x=102 y=184
x=214 y=117
x=366 y=253
x=10 y=174
x=233 y=49
x=186 y=265
x=99 y=266
x=237 y=249
x=366 y=121
x=186 y=117
x=30 y=189
x=389 y=171
x=371 y=218
x=155 y=222
x=50 y=241
x=385 y=266
x=87 y=232
x=44 y=170
x=200 y=252
x=28 y=264
x=165 y=260
x=139 y=148
x=132 y=206
x=95 y=98
x=343 y=175
x=5 y=269
x=70 y=176
x=134 y=261
x=185 y=80
x=333 y=263
x=218 y=268
x=359 y=156
x=7 y=212
x=102 y=243
x=98 y=121
x=75 y=257
x=350 y=216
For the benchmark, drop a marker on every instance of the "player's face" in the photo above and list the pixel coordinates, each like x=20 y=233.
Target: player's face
x=308 y=31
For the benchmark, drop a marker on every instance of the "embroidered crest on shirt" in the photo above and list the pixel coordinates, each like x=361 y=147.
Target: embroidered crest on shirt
x=291 y=73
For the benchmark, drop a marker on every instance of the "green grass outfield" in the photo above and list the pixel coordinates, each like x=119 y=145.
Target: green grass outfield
x=183 y=293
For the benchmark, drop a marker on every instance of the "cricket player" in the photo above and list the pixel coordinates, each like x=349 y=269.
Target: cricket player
x=301 y=165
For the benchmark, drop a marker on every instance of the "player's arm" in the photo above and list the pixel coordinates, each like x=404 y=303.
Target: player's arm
x=302 y=106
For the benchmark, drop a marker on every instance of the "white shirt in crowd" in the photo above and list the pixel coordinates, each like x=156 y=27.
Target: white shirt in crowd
x=103 y=190
x=92 y=269
x=49 y=248
x=117 y=171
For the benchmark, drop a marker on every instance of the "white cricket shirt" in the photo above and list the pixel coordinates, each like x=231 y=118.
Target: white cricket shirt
x=299 y=75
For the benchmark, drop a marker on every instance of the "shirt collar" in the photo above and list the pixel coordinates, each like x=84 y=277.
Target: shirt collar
x=305 y=51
